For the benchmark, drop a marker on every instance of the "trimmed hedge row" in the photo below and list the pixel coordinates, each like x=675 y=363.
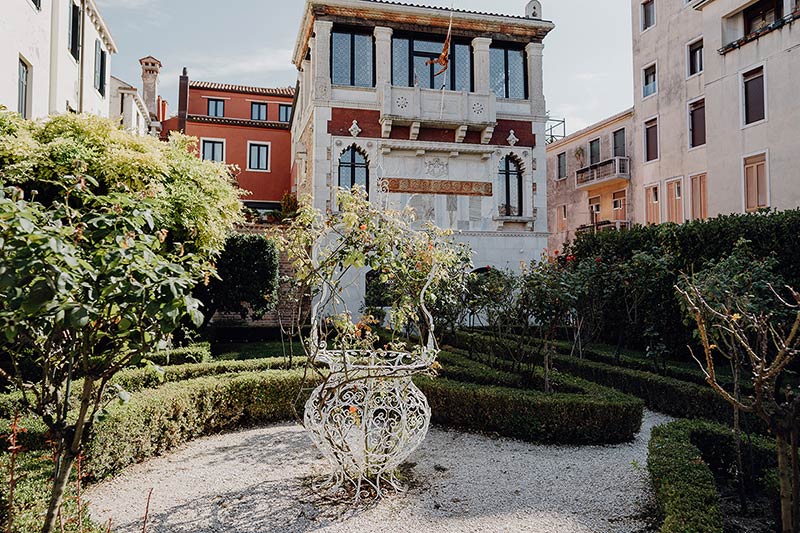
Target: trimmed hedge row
x=135 y=379
x=680 y=459
x=660 y=393
x=475 y=396
x=157 y=420
x=196 y=353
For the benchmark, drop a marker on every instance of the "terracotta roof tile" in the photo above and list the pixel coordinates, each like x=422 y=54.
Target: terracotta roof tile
x=267 y=91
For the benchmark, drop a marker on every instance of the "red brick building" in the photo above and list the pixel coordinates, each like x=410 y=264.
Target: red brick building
x=243 y=126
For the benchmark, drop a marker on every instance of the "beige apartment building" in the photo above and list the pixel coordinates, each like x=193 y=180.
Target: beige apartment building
x=589 y=180
x=716 y=111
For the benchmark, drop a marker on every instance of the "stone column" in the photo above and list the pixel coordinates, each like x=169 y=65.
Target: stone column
x=383 y=56
x=535 y=83
x=480 y=52
x=321 y=57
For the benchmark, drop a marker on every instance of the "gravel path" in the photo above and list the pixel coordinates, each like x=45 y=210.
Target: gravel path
x=254 y=481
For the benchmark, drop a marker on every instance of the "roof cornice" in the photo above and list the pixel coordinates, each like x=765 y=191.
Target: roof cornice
x=590 y=130
x=102 y=27
x=392 y=13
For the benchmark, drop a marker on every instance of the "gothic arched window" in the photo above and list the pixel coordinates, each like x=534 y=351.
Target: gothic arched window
x=510 y=187
x=353 y=169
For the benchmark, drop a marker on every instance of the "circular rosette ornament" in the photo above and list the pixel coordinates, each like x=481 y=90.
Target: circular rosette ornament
x=367 y=418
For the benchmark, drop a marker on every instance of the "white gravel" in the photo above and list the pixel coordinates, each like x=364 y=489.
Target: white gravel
x=257 y=481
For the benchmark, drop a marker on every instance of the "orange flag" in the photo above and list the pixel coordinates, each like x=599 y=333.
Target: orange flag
x=444 y=58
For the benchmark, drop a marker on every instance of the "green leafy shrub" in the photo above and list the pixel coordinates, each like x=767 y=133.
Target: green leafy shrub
x=680 y=459
x=691 y=247
x=247 y=282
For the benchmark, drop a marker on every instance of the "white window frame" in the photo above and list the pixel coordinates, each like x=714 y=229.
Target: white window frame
x=689 y=74
x=682 y=198
x=268 y=144
x=644 y=140
x=224 y=148
x=625 y=190
x=689 y=146
x=743 y=179
x=742 y=101
x=642 y=29
x=644 y=69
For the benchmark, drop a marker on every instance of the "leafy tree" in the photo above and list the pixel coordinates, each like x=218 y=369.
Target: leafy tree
x=247 y=278
x=103 y=235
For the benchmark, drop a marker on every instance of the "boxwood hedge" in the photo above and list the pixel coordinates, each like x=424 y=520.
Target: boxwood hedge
x=682 y=459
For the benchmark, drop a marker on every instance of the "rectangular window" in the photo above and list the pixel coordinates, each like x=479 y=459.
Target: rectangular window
x=650 y=81
x=762 y=14
x=754 y=103
x=409 y=68
x=75 y=31
x=675 y=202
x=651 y=140
x=509 y=73
x=594 y=152
x=352 y=59
x=620 y=205
x=23 y=89
x=562 y=166
x=100 y=59
x=594 y=209
x=652 y=214
x=213 y=151
x=562 y=218
x=697 y=123
x=696 y=57
x=755 y=182
x=258 y=111
x=284 y=113
x=216 y=108
x=699 y=197
x=258 y=158
x=648 y=14
x=620 y=150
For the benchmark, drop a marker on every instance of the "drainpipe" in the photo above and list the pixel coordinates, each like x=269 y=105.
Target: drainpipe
x=83 y=55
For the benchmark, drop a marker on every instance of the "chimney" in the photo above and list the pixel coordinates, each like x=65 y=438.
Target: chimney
x=183 y=100
x=534 y=9
x=150 y=69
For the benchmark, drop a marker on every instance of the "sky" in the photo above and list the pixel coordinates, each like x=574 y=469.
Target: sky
x=587 y=58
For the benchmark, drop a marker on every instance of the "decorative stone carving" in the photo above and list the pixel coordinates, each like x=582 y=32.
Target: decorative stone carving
x=338 y=142
x=414 y=134
x=512 y=139
x=436 y=167
x=461 y=133
x=386 y=128
x=478 y=108
x=402 y=102
x=533 y=164
x=486 y=134
x=354 y=129
x=447 y=187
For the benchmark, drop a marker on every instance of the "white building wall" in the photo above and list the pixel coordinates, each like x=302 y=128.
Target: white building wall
x=41 y=37
x=25 y=33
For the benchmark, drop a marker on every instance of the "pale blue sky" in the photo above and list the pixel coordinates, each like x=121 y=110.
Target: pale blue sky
x=588 y=71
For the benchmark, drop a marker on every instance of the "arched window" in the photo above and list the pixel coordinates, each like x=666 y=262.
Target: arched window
x=353 y=169
x=510 y=187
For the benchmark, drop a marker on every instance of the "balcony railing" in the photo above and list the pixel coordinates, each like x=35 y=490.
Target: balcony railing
x=605 y=225
x=753 y=36
x=608 y=170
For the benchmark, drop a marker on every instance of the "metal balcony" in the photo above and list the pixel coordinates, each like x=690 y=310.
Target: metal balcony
x=605 y=173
